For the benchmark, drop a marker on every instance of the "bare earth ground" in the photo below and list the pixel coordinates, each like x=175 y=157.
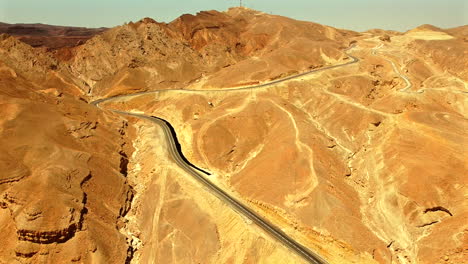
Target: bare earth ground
x=364 y=163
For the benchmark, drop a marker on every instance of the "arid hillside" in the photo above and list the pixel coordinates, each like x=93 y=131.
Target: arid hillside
x=50 y=37
x=363 y=160
x=64 y=192
x=202 y=50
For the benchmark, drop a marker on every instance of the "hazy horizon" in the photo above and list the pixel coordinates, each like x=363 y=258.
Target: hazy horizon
x=359 y=15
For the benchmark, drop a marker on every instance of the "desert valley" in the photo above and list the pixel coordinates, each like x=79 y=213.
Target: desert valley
x=352 y=144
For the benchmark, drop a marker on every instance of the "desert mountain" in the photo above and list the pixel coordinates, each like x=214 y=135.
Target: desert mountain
x=246 y=45
x=461 y=32
x=363 y=162
x=48 y=36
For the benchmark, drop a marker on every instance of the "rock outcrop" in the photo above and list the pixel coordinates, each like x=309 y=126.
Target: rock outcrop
x=61 y=190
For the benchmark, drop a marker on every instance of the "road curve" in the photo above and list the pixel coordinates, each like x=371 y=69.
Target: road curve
x=199 y=174
x=409 y=85
x=258 y=86
x=395 y=69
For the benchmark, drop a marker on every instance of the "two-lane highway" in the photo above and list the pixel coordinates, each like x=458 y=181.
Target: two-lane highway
x=252 y=87
x=234 y=203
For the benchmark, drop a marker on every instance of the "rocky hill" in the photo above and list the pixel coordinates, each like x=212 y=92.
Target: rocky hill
x=147 y=55
x=48 y=36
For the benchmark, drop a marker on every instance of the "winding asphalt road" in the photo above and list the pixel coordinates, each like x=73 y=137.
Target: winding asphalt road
x=257 y=86
x=199 y=174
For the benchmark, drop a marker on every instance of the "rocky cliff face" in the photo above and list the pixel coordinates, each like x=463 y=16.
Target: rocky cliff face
x=363 y=163
x=62 y=193
x=201 y=51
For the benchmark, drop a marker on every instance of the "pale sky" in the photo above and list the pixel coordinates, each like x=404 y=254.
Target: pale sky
x=357 y=15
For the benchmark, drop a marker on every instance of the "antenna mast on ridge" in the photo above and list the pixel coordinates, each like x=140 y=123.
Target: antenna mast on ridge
x=240 y=3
